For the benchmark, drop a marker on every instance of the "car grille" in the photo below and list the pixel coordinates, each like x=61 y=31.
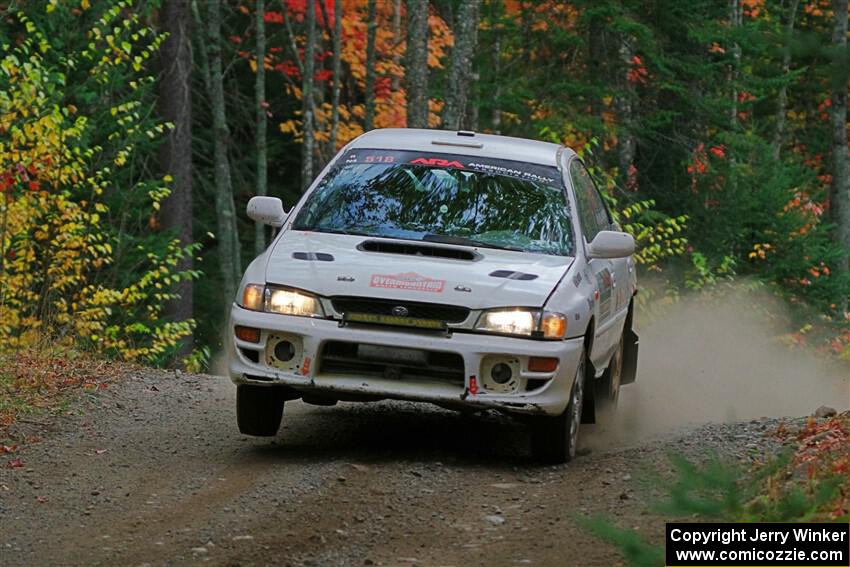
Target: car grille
x=415 y=310
x=344 y=358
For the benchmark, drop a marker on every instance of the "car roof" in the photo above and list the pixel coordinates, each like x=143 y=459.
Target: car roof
x=462 y=143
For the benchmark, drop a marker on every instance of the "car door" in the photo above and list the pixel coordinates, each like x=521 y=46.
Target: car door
x=593 y=218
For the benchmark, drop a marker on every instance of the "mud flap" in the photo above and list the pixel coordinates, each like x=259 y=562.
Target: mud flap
x=630 y=357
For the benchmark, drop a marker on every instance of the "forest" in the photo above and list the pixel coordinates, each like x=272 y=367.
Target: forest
x=133 y=133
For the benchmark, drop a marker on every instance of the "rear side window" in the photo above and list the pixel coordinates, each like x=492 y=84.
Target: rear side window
x=592 y=213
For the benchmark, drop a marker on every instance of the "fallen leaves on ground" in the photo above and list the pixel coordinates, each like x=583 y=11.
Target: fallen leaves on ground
x=821 y=453
x=41 y=382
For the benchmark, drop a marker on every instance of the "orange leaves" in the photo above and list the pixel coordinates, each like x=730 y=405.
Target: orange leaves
x=718 y=151
x=752 y=8
x=819 y=8
x=637 y=73
x=543 y=14
x=390 y=97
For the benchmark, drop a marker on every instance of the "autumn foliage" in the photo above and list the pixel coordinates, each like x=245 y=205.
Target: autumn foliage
x=55 y=246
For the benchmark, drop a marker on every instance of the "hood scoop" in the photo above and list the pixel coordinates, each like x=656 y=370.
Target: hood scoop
x=414 y=249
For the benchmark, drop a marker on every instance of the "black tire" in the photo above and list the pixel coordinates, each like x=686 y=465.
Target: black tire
x=608 y=387
x=554 y=439
x=258 y=410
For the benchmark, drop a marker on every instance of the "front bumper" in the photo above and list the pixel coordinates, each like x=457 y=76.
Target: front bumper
x=310 y=372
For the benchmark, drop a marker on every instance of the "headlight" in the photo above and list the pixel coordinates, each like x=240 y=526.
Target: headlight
x=279 y=300
x=292 y=302
x=523 y=322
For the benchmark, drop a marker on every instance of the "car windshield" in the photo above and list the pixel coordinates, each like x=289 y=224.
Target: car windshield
x=489 y=203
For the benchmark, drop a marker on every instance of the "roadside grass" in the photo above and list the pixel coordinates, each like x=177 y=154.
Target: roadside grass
x=808 y=482
x=39 y=383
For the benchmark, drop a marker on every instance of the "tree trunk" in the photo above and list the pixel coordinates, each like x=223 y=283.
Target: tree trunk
x=496 y=118
x=337 y=71
x=175 y=106
x=307 y=97
x=735 y=20
x=417 y=64
x=839 y=203
x=626 y=139
x=460 y=72
x=260 y=95
x=371 y=29
x=782 y=102
x=396 y=80
x=228 y=237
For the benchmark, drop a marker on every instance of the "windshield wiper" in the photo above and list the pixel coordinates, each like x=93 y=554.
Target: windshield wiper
x=464 y=241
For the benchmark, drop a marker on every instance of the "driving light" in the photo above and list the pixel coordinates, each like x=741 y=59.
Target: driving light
x=252 y=297
x=292 y=302
x=523 y=322
x=247 y=334
x=554 y=325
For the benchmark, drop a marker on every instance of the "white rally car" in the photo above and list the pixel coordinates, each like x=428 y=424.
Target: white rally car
x=466 y=270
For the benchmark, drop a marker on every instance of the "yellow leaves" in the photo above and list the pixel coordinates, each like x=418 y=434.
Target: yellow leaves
x=54 y=240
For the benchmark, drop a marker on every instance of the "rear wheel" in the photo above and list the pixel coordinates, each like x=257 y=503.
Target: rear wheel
x=258 y=410
x=554 y=439
x=608 y=387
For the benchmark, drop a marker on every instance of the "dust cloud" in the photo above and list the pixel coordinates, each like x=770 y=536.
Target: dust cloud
x=719 y=360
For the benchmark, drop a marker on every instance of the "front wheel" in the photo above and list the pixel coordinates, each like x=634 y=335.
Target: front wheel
x=258 y=410
x=554 y=439
x=608 y=387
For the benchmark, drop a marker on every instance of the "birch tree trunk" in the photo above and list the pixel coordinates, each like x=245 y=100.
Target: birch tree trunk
x=260 y=96
x=307 y=97
x=337 y=71
x=460 y=72
x=371 y=29
x=228 y=237
x=782 y=101
x=416 y=62
x=175 y=106
x=839 y=202
x=626 y=139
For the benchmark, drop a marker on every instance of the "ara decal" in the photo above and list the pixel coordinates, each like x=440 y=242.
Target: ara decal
x=437 y=161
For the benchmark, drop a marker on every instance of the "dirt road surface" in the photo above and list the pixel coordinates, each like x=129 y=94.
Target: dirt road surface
x=154 y=472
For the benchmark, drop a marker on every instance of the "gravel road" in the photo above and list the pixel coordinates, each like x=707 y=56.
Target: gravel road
x=153 y=471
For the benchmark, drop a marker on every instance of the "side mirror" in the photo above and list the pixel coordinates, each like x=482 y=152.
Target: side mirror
x=267 y=210
x=611 y=244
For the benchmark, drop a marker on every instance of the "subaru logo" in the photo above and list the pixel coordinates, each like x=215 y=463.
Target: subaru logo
x=400 y=311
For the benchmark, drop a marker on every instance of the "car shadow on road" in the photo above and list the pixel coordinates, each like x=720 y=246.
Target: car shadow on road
x=394 y=431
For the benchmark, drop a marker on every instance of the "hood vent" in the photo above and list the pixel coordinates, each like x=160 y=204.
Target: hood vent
x=511 y=275
x=412 y=249
x=313 y=256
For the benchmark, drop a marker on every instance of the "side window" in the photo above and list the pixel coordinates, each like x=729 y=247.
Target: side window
x=592 y=213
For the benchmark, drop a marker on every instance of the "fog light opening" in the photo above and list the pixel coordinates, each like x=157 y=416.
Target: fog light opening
x=284 y=351
x=501 y=373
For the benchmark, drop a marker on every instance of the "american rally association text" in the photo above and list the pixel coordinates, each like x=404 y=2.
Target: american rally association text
x=727 y=536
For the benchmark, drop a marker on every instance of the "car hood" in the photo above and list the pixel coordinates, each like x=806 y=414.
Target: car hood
x=335 y=264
